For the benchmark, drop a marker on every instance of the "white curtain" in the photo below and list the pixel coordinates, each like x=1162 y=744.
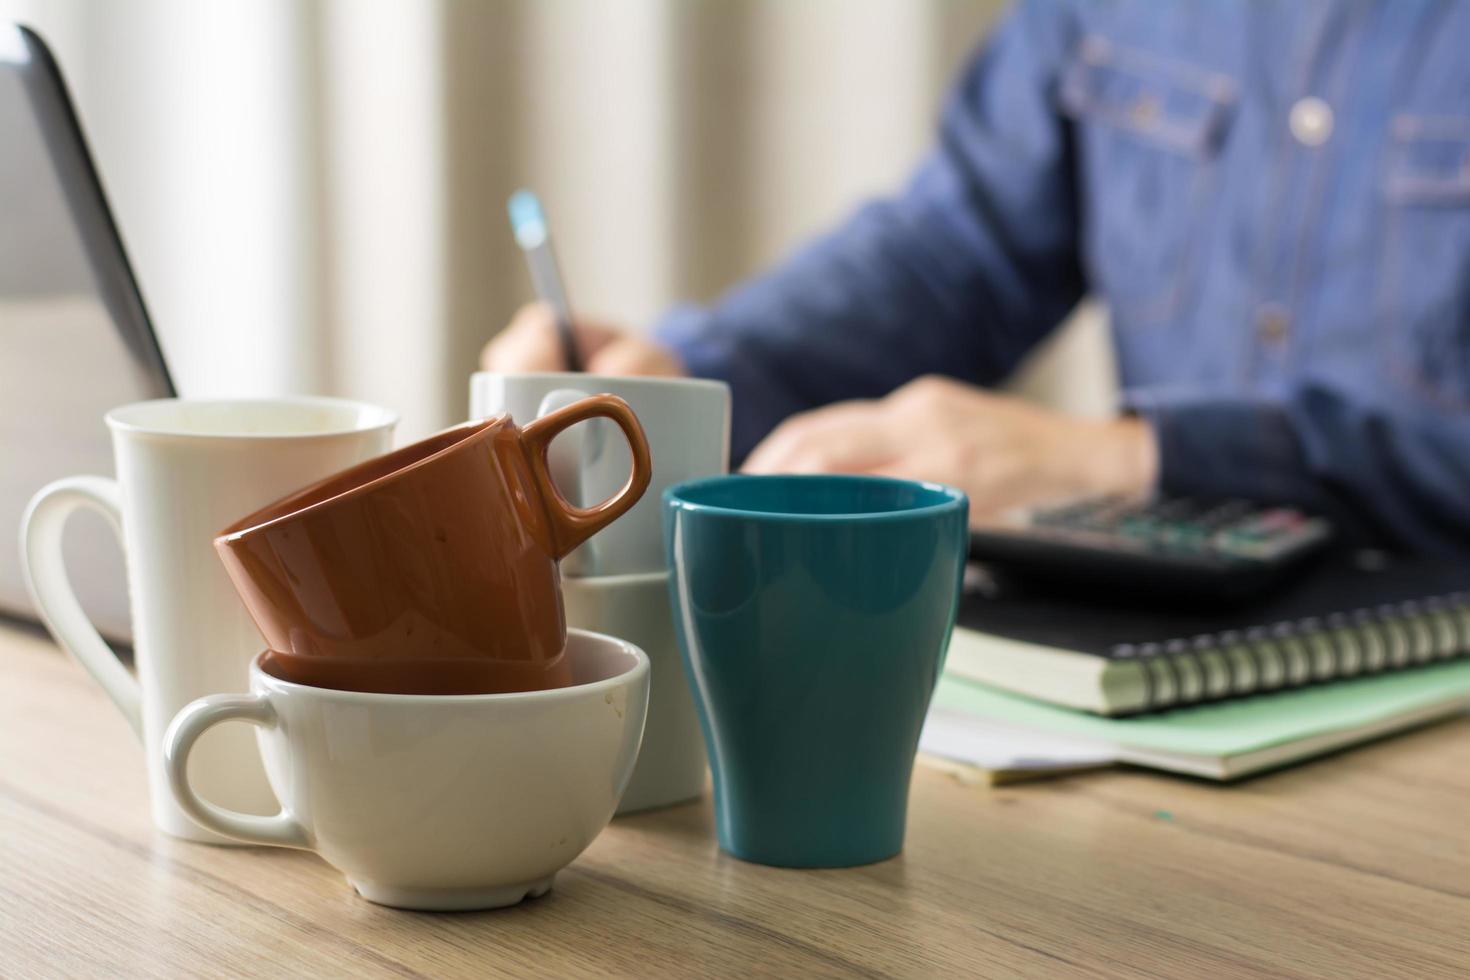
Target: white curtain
x=313 y=192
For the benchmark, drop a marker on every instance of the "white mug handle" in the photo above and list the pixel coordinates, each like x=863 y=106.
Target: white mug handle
x=568 y=457
x=197 y=717
x=45 y=574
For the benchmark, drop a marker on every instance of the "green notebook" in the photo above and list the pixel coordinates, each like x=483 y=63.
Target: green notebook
x=1223 y=740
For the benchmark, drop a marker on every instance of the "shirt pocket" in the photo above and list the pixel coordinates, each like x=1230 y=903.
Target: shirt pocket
x=1148 y=130
x=1425 y=284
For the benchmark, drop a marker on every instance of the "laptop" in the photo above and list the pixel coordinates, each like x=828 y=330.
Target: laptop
x=75 y=338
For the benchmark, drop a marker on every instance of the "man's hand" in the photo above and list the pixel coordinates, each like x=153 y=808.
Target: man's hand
x=531 y=343
x=1003 y=452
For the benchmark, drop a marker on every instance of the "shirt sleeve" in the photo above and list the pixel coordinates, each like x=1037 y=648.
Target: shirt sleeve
x=959 y=274
x=1384 y=476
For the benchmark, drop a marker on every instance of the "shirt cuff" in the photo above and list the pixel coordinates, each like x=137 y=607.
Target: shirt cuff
x=1223 y=447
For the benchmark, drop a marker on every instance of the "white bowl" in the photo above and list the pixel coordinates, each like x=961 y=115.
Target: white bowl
x=436 y=802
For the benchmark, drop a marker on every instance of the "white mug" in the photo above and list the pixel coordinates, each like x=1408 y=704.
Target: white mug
x=434 y=802
x=185 y=469
x=672 y=763
x=687 y=422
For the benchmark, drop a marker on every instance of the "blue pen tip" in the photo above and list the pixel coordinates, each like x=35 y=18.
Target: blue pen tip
x=526 y=218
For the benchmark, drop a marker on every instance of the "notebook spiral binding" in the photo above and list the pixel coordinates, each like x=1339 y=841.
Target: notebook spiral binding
x=1193 y=670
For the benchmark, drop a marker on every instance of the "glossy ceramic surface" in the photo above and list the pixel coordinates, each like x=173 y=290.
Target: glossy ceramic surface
x=813 y=613
x=687 y=421
x=184 y=468
x=431 y=570
x=434 y=802
x=671 y=765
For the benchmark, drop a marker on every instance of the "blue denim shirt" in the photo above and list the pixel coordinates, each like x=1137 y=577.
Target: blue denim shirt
x=1272 y=198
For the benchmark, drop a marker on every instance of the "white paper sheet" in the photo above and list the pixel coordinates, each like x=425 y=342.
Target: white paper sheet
x=963 y=738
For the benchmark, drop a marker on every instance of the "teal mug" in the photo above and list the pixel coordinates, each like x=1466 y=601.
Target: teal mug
x=813 y=615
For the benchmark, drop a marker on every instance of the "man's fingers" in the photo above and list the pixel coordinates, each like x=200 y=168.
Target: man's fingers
x=999 y=486
x=634 y=356
x=785 y=446
x=985 y=506
x=535 y=315
x=529 y=343
x=845 y=438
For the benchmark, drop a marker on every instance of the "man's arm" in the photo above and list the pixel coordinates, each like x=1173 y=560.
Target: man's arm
x=960 y=274
x=1405 y=476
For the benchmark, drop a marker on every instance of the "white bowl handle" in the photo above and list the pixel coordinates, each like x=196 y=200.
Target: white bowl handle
x=197 y=717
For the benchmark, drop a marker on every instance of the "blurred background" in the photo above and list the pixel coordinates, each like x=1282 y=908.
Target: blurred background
x=313 y=191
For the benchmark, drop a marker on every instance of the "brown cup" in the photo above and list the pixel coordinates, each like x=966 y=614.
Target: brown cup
x=429 y=570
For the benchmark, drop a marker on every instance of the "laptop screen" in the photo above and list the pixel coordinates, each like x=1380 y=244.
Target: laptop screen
x=74 y=341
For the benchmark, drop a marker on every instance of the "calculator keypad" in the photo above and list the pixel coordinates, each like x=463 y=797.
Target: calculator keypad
x=1229 y=530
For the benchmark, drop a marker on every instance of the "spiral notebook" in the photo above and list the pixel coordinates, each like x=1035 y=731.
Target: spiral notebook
x=1353 y=616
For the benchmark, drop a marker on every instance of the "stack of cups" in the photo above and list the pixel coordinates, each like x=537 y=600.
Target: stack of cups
x=617 y=583
x=427 y=723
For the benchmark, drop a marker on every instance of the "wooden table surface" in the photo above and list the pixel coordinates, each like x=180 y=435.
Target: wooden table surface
x=1357 y=865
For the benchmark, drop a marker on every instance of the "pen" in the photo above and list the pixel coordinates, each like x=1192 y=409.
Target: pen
x=528 y=222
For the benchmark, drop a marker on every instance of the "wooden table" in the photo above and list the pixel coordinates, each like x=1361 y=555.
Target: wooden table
x=1356 y=865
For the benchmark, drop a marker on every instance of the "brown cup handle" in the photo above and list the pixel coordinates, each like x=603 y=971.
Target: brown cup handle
x=570 y=525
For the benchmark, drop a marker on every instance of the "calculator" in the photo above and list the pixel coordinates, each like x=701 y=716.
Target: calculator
x=1202 y=549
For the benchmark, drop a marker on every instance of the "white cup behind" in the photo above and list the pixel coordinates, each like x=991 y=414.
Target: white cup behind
x=672 y=763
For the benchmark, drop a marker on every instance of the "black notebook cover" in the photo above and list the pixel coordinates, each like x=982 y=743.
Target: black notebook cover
x=1342 y=583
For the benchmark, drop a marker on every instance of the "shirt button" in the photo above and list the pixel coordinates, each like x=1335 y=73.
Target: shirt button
x=1311 y=121
x=1272 y=323
x=1144 y=113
